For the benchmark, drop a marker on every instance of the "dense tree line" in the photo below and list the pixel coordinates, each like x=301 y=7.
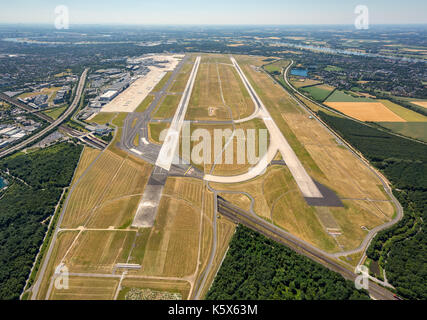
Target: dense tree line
x=401 y=250
x=27 y=203
x=257 y=268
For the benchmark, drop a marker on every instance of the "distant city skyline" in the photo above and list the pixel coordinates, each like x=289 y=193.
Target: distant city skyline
x=219 y=12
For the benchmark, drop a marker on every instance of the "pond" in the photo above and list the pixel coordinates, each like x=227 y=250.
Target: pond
x=299 y=72
x=3 y=183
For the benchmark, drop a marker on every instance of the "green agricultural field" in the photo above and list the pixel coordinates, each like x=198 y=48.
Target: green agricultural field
x=332 y=68
x=404 y=113
x=340 y=96
x=317 y=93
x=416 y=130
x=276 y=66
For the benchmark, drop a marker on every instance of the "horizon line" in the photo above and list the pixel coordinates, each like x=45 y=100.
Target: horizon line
x=209 y=24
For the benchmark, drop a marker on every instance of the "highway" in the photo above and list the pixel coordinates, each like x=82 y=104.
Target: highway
x=54 y=124
x=271 y=231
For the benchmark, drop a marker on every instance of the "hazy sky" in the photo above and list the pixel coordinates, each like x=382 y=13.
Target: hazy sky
x=214 y=11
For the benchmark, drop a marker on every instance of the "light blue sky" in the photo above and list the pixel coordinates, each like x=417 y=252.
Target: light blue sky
x=214 y=11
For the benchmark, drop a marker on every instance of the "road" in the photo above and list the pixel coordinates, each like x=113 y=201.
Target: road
x=55 y=123
x=271 y=231
x=399 y=210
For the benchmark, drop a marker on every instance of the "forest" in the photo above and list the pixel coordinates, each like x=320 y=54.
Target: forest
x=257 y=268
x=36 y=182
x=400 y=249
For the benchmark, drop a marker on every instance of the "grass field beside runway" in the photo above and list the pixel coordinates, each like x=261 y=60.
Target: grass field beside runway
x=161 y=286
x=162 y=82
x=112 y=177
x=168 y=107
x=103 y=118
x=99 y=251
x=178 y=85
x=326 y=161
x=88 y=156
x=83 y=288
x=155 y=129
x=206 y=102
x=61 y=246
x=172 y=247
x=278 y=200
x=276 y=66
x=145 y=103
x=235 y=94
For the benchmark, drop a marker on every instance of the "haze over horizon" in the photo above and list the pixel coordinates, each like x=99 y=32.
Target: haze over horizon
x=220 y=12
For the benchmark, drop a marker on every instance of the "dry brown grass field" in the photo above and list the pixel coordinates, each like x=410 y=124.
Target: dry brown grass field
x=366 y=111
x=278 y=200
x=172 y=247
x=235 y=94
x=90 y=191
x=84 y=288
x=111 y=179
x=99 y=251
x=304 y=82
x=326 y=161
x=175 y=251
x=233 y=168
x=88 y=156
x=206 y=102
x=181 y=287
x=62 y=244
x=420 y=103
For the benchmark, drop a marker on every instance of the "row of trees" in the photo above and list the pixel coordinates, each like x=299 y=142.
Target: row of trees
x=257 y=268
x=400 y=249
x=25 y=206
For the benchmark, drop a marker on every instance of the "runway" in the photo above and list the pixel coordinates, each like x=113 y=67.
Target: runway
x=278 y=143
x=168 y=150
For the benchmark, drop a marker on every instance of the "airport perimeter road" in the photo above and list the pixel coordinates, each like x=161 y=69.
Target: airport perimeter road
x=271 y=231
x=169 y=147
x=303 y=180
x=54 y=124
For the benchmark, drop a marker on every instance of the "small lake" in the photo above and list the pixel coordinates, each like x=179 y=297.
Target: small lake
x=299 y=72
x=3 y=183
